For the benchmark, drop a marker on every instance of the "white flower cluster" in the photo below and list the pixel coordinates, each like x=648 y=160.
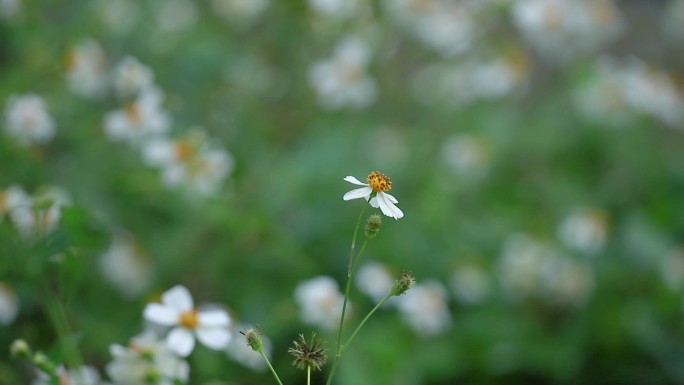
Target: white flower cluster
x=620 y=91
x=33 y=215
x=27 y=119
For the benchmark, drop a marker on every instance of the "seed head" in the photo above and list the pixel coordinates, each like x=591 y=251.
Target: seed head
x=373 y=225
x=253 y=338
x=308 y=354
x=403 y=284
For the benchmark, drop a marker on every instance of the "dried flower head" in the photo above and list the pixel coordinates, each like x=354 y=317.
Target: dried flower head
x=373 y=225
x=308 y=354
x=404 y=283
x=253 y=338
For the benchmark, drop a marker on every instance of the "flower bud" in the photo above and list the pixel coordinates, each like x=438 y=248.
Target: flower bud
x=404 y=283
x=373 y=225
x=253 y=339
x=20 y=348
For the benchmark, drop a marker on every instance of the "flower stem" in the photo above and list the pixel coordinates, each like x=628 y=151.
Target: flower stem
x=366 y=319
x=350 y=272
x=270 y=367
x=308 y=375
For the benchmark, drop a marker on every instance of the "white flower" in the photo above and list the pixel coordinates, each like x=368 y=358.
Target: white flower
x=12 y=198
x=320 y=302
x=240 y=12
x=126 y=266
x=10 y=8
x=177 y=15
x=375 y=280
x=118 y=16
x=41 y=215
x=146 y=361
x=470 y=284
x=132 y=77
x=585 y=230
x=425 y=308
x=84 y=375
x=142 y=119
x=27 y=119
x=9 y=305
x=190 y=161
x=377 y=183
x=177 y=311
x=342 y=80
x=337 y=9
x=86 y=69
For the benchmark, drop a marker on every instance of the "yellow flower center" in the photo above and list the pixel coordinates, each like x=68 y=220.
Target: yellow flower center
x=184 y=150
x=379 y=182
x=189 y=319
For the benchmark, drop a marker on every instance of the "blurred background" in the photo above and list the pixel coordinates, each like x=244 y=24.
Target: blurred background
x=534 y=146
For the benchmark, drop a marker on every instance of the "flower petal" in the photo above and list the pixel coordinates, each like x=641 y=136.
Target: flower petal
x=374 y=202
x=215 y=317
x=362 y=192
x=161 y=314
x=213 y=337
x=355 y=181
x=387 y=207
x=391 y=198
x=181 y=341
x=178 y=297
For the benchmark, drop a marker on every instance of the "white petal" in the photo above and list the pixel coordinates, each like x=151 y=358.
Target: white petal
x=355 y=181
x=213 y=318
x=362 y=192
x=374 y=202
x=214 y=338
x=390 y=197
x=161 y=314
x=181 y=341
x=178 y=297
x=388 y=208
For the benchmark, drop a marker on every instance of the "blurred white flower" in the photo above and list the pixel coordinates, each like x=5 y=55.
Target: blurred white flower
x=177 y=311
x=585 y=230
x=342 y=81
x=118 y=16
x=560 y=29
x=445 y=26
x=42 y=215
x=465 y=154
x=28 y=120
x=10 y=8
x=375 y=280
x=126 y=266
x=84 y=375
x=86 y=69
x=471 y=284
x=9 y=305
x=620 y=89
x=131 y=77
x=337 y=9
x=191 y=161
x=320 y=302
x=532 y=269
x=140 y=120
x=241 y=13
x=672 y=269
x=177 y=15
x=377 y=183
x=425 y=308
x=146 y=361
x=240 y=352
x=11 y=198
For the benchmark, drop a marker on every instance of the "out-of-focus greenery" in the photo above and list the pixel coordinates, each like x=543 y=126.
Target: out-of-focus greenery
x=279 y=219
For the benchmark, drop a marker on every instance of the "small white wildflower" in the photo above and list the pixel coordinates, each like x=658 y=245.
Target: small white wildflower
x=377 y=184
x=140 y=120
x=131 y=77
x=241 y=13
x=42 y=215
x=28 y=120
x=425 y=308
x=585 y=230
x=126 y=266
x=320 y=302
x=375 y=280
x=176 y=310
x=471 y=284
x=9 y=305
x=86 y=69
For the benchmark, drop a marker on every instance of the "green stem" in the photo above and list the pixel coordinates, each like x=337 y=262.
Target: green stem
x=308 y=375
x=366 y=319
x=358 y=256
x=270 y=367
x=60 y=320
x=350 y=270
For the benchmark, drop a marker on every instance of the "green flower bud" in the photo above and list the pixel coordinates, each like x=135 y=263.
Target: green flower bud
x=20 y=348
x=253 y=339
x=373 y=225
x=403 y=284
